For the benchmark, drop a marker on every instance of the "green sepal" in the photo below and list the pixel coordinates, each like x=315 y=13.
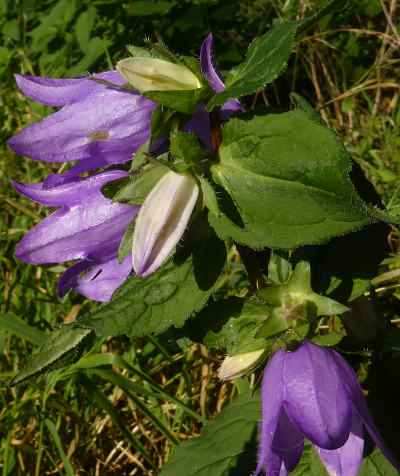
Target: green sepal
x=184 y=101
x=63 y=347
x=140 y=157
x=110 y=189
x=125 y=246
x=136 y=190
x=186 y=146
x=164 y=120
x=138 y=52
x=209 y=197
x=328 y=340
x=296 y=299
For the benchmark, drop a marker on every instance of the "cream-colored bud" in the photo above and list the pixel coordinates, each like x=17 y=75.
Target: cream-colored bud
x=153 y=74
x=162 y=220
x=238 y=365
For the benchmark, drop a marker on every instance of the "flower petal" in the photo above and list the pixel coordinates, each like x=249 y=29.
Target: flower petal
x=356 y=396
x=315 y=400
x=100 y=283
x=161 y=221
x=346 y=461
x=287 y=448
x=58 y=92
x=89 y=226
x=109 y=124
x=211 y=72
x=272 y=395
x=70 y=193
x=200 y=125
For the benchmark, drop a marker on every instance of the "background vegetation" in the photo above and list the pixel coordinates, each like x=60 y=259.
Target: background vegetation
x=124 y=407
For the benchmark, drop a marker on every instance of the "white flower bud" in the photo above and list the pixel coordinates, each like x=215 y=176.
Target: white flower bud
x=153 y=74
x=238 y=365
x=162 y=220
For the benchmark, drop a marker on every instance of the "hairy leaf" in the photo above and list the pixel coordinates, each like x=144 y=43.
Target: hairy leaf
x=227 y=445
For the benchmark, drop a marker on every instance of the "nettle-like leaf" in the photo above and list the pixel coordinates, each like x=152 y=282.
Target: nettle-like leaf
x=266 y=58
x=63 y=347
x=168 y=296
x=227 y=445
x=284 y=182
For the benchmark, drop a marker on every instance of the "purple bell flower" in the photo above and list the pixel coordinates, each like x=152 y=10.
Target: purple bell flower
x=313 y=393
x=87 y=228
x=98 y=125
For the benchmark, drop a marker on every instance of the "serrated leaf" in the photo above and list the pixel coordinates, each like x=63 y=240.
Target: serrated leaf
x=209 y=196
x=266 y=59
x=168 y=296
x=376 y=464
x=284 y=183
x=62 y=347
x=333 y=338
x=227 y=445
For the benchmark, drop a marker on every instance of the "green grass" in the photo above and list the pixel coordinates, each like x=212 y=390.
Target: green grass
x=124 y=406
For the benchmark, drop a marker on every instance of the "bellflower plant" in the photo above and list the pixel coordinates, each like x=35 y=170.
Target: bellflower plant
x=313 y=393
x=276 y=184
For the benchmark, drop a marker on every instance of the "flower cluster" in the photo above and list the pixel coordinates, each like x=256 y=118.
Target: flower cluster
x=102 y=124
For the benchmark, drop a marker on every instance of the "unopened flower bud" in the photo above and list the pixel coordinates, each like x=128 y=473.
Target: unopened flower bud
x=162 y=220
x=153 y=74
x=238 y=365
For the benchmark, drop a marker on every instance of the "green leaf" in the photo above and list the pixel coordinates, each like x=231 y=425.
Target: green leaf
x=284 y=183
x=142 y=8
x=84 y=26
x=227 y=445
x=10 y=323
x=209 y=196
x=376 y=464
x=168 y=296
x=266 y=59
x=57 y=441
x=62 y=347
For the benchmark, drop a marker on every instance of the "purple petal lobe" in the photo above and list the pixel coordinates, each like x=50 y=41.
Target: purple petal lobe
x=314 y=399
x=287 y=448
x=208 y=66
x=70 y=193
x=356 y=396
x=58 y=92
x=272 y=395
x=109 y=124
x=346 y=461
x=100 y=282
